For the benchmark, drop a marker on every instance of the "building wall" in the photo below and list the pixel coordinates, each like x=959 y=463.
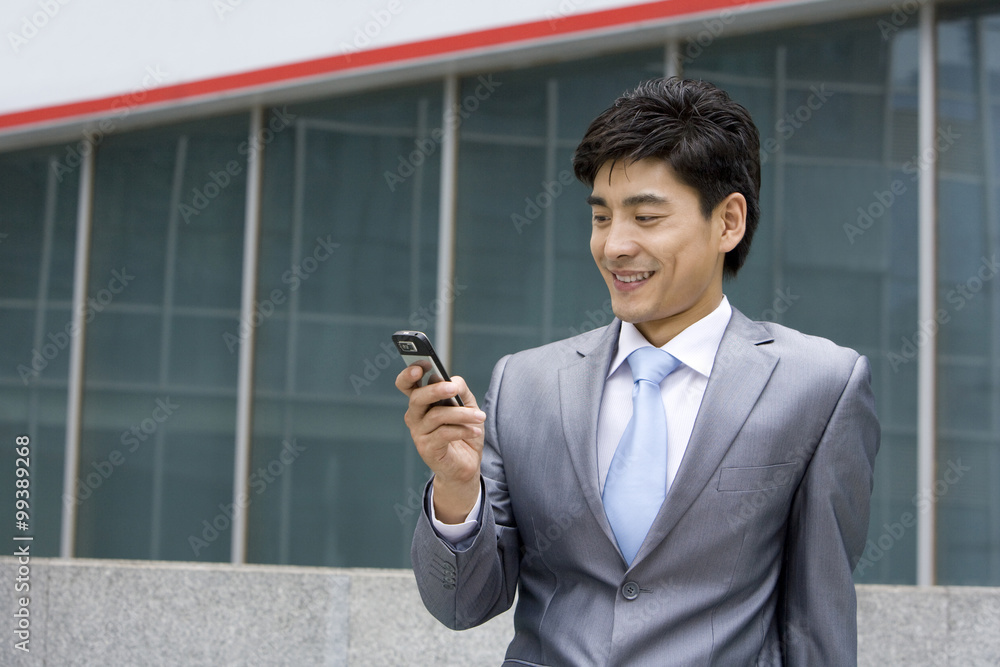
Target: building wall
x=86 y=612
x=174 y=316
x=60 y=60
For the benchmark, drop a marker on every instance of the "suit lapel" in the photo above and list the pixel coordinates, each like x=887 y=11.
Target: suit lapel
x=581 y=385
x=743 y=365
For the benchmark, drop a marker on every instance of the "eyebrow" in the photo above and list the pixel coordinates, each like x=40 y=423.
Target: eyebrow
x=633 y=200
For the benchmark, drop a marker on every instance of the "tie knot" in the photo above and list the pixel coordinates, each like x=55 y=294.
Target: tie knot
x=651 y=364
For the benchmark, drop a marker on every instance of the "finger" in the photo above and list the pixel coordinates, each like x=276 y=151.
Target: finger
x=408 y=378
x=442 y=436
x=423 y=419
x=423 y=398
x=464 y=392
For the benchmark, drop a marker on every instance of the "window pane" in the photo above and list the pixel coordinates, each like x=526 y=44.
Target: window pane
x=835 y=254
x=159 y=412
x=968 y=463
x=38 y=201
x=523 y=227
x=348 y=255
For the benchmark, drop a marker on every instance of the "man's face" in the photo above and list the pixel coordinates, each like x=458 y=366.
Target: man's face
x=660 y=256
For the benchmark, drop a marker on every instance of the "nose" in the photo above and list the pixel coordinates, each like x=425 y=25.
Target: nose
x=620 y=241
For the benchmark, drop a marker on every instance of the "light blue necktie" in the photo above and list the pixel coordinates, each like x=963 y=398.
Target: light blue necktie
x=637 y=479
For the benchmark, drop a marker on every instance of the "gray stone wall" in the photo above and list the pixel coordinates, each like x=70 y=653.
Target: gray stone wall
x=107 y=613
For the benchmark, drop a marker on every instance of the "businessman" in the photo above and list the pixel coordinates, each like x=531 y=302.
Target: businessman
x=682 y=487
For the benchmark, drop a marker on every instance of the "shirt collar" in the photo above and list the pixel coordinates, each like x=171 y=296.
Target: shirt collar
x=695 y=347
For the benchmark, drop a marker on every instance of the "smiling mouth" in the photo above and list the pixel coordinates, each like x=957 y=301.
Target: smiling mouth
x=633 y=278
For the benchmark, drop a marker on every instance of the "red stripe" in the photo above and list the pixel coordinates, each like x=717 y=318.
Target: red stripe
x=491 y=37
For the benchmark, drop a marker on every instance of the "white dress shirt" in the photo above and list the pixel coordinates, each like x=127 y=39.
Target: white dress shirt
x=682 y=391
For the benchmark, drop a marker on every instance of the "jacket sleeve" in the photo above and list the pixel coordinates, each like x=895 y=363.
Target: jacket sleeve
x=464 y=587
x=828 y=525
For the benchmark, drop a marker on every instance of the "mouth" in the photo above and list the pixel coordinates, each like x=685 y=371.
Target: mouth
x=631 y=280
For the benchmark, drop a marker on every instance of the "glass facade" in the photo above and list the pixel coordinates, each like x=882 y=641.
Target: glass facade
x=522 y=255
x=38 y=204
x=159 y=401
x=348 y=253
x=968 y=456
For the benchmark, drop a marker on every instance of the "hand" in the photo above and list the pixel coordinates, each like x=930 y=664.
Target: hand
x=449 y=440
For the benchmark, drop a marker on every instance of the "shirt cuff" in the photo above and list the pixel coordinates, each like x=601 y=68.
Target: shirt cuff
x=455 y=533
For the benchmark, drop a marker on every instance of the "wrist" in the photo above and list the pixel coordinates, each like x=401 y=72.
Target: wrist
x=453 y=500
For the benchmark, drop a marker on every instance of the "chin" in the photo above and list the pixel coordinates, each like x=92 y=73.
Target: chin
x=630 y=315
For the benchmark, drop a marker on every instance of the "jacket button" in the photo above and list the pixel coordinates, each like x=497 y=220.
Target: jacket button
x=630 y=590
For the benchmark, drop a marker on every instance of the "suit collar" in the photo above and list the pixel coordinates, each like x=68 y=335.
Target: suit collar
x=742 y=368
x=695 y=346
x=581 y=385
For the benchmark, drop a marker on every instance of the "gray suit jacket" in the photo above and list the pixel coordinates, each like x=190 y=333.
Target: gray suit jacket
x=749 y=560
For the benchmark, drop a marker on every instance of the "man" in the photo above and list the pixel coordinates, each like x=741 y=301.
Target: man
x=726 y=535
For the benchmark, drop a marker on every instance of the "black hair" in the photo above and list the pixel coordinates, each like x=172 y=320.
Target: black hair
x=709 y=140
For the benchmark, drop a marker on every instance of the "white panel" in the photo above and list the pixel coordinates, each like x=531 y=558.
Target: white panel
x=64 y=51
x=57 y=51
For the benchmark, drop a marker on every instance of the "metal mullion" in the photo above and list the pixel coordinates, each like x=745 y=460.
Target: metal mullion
x=778 y=218
x=990 y=179
x=355 y=129
x=446 y=218
x=193 y=391
x=416 y=205
x=244 y=387
x=801 y=160
x=927 y=291
x=672 y=63
x=74 y=398
x=291 y=341
x=521 y=141
x=885 y=322
x=166 y=331
x=728 y=79
x=549 y=259
x=44 y=268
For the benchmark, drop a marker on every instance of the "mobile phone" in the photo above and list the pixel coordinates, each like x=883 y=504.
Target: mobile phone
x=416 y=348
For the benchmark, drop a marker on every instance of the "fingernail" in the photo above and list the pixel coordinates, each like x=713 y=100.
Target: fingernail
x=480 y=415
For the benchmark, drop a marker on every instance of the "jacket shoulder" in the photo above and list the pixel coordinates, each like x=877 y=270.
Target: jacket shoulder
x=811 y=355
x=561 y=352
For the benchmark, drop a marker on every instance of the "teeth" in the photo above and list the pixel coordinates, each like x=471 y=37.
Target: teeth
x=635 y=278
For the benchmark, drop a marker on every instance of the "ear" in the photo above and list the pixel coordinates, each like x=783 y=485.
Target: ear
x=731 y=213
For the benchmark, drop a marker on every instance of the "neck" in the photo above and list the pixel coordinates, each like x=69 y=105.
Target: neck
x=660 y=332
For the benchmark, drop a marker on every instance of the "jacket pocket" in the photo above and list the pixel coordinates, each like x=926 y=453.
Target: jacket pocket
x=756 y=478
